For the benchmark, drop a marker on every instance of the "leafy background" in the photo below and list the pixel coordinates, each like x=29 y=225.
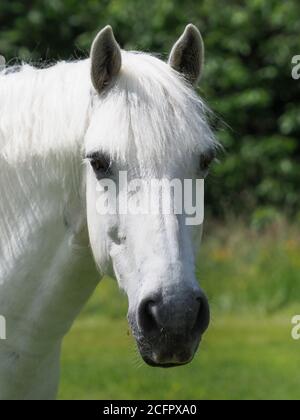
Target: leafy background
x=249 y=263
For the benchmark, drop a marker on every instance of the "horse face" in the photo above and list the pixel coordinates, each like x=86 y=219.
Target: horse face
x=152 y=255
x=151 y=250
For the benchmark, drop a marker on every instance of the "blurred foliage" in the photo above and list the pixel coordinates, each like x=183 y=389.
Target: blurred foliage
x=247 y=81
x=253 y=268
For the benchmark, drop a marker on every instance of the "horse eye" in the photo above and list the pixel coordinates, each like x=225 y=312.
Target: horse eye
x=100 y=163
x=206 y=160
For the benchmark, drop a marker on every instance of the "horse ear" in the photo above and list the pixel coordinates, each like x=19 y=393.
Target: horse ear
x=187 y=55
x=106 y=59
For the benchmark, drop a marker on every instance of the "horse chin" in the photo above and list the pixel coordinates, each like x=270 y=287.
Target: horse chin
x=164 y=358
x=151 y=363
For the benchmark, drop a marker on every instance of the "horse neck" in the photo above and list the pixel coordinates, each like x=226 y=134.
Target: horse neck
x=41 y=169
x=46 y=268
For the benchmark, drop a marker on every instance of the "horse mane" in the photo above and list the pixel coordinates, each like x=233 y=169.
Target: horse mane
x=149 y=110
x=43 y=111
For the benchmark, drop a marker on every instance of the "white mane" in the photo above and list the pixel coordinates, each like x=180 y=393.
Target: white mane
x=149 y=109
x=43 y=111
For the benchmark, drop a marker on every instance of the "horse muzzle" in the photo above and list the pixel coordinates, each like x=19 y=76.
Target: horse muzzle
x=168 y=330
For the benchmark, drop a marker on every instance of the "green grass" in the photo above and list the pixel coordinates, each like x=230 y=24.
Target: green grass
x=248 y=353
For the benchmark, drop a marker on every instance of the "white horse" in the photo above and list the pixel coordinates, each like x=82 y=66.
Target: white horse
x=116 y=111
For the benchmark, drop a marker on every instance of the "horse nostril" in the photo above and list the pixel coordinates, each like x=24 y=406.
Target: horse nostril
x=178 y=317
x=203 y=316
x=147 y=316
